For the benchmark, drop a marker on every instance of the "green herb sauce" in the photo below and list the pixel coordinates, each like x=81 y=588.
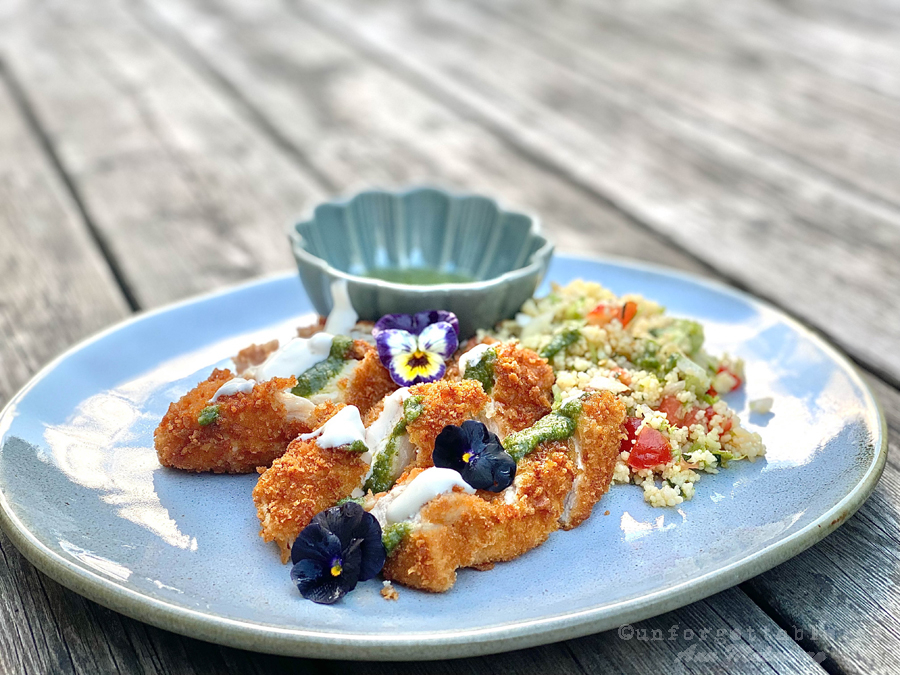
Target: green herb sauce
x=412 y=409
x=393 y=534
x=384 y=473
x=208 y=415
x=552 y=427
x=358 y=446
x=315 y=379
x=483 y=371
x=419 y=276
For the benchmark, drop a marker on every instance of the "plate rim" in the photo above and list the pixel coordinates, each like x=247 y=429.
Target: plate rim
x=276 y=639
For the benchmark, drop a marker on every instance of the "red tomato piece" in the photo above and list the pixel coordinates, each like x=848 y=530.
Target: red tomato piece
x=629 y=309
x=650 y=449
x=631 y=427
x=602 y=314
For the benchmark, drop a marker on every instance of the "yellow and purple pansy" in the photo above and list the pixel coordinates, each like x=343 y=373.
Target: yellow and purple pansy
x=414 y=347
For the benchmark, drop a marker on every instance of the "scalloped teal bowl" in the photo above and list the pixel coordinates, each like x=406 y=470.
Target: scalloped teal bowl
x=422 y=229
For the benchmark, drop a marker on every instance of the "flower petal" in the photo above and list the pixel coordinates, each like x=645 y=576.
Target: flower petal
x=409 y=369
x=315 y=543
x=439 y=338
x=415 y=323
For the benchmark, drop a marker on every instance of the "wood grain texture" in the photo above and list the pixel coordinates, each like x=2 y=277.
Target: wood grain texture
x=807 y=116
x=187 y=192
x=361 y=126
x=710 y=190
x=724 y=634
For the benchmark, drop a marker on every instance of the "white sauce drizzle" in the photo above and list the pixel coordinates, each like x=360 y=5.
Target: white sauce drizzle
x=296 y=357
x=473 y=356
x=344 y=428
x=236 y=385
x=342 y=317
x=422 y=489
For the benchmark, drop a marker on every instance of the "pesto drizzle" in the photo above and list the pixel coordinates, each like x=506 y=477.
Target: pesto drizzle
x=314 y=379
x=557 y=426
x=382 y=477
x=208 y=415
x=393 y=534
x=483 y=370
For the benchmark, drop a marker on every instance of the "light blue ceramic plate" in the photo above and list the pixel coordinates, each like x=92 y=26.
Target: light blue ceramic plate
x=85 y=500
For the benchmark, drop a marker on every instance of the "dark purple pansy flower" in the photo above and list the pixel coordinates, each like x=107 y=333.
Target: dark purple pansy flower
x=340 y=547
x=476 y=454
x=413 y=347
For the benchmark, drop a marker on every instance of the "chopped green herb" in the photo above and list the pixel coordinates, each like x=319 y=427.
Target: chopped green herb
x=208 y=415
x=562 y=339
x=314 y=379
x=356 y=500
x=483 y=370
x=393 y=534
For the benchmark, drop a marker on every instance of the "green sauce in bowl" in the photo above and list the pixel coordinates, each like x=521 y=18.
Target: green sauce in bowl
x=418 y=276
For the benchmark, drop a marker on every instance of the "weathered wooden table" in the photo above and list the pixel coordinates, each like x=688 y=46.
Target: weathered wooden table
x=152 y=150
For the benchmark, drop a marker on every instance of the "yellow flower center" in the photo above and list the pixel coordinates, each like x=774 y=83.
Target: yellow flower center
x=336 y=569
x=466 y=457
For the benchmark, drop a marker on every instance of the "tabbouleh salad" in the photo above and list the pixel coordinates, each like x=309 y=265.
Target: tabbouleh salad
x=677 y=424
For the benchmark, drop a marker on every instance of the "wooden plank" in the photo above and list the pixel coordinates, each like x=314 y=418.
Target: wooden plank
x=55 y=288
x=709 y=190
x=360 y=126
x=187 y=192
x=824 y=123
x=269 y=58
x=859 y=52
x=741 y=639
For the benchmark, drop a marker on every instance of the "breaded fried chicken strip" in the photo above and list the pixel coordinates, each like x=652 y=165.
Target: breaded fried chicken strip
x=305 y=480
x=523 y=388
x=595 y=447
x=518 y=380
x=442 y=403
x=556 y=485
x=249 y=430
x=465 y=530
x=253 y=426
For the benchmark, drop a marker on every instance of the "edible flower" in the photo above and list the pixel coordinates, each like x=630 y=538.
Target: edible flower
x=340 y=547
x=413 y=347
x=477 y=454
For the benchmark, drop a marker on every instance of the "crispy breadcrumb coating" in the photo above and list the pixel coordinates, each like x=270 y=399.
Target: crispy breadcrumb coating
x=253 y=355
x=251 y=429
x=597 y=438
x=523 y=388
x=462 y=530
x=317 y=327
x=305 y=480
x=443 y=403
x=369 y=383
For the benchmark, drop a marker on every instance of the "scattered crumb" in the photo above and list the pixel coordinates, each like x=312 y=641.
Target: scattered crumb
x=762 y=405
x=388 y=592
x=606 y=513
